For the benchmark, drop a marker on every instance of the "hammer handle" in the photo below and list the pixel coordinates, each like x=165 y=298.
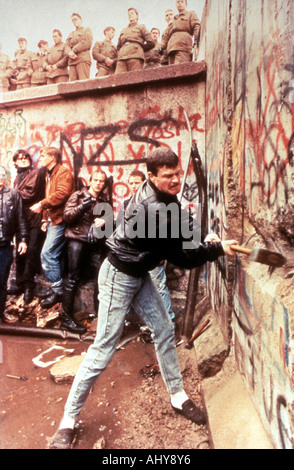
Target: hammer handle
x=198 y=331
x=240 y=249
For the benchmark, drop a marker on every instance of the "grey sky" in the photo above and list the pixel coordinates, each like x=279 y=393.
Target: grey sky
x=36 y=19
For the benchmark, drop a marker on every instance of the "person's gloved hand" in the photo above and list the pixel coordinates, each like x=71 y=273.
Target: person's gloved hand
x=91 y=236
x=86 y=204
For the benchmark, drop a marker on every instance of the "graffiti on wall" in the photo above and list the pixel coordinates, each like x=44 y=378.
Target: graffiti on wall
x=262 y=148
x=117 y=148
x=263 y=127
x=264 y=371
x=250 y=129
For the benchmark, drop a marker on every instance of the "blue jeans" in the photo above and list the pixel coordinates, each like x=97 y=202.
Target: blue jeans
x=6 y=256
x=117 y=292
x=52 y=255
x=158 y=276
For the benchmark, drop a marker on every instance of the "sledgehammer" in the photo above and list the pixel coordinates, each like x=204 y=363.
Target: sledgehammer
x=261 y=255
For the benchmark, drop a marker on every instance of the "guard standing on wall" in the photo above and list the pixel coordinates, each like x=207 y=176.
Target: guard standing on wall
x=21 y=66
x=6 y=71
x=78 y=46
x=38 y=76
x=105 y=54
x=152 y=57
x=181 y=35
x=169 y=16
x=56 y=61
x=132 y=42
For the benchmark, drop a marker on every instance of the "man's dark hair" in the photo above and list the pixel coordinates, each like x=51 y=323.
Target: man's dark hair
x=58 y=32
x=136 y=11
x=108 y=28
x=138 y=173
x=161 y=157
x=21 y=152
x=42 y=43
x=76 y=14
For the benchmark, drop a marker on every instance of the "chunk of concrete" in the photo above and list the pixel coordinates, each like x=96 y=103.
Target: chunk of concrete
x=211 y=349
x=64 y=371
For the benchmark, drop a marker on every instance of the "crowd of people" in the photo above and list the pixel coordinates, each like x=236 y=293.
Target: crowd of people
x=53 y=226
x=128 y=266
x=60 y=230
x=71 y=60
x=51 y=223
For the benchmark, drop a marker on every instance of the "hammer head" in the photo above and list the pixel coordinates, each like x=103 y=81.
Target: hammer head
x=270 y=258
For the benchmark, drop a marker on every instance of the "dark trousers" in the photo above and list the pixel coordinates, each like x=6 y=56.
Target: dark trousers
x=6 y=257
x=27 y=265
x=81 y=257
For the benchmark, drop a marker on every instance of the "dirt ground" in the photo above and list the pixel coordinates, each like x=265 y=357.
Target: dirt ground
x=125 y=409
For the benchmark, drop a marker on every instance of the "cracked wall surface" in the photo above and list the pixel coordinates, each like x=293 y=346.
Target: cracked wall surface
x=248 y=48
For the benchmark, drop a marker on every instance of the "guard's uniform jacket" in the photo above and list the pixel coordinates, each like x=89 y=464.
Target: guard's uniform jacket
x=133 y=41
x=6 y=71
x=180 y=33
x=80 y=42
x=56 y=56
x=136 y=254
x=152 y=57
x=38 y=73
x=101 y=51
x=21 y=67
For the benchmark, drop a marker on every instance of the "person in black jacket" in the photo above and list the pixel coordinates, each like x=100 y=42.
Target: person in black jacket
x=12 y=221
x=30 y=182
x=82 y=247
x=138 y=244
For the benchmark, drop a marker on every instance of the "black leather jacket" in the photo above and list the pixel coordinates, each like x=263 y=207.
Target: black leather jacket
x=12 y=219
x=78 y=221
x=143 y=239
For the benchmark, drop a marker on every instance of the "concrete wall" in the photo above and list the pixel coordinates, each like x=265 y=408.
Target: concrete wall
x=247 y=152
x=248 y=48
x=111 y=122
